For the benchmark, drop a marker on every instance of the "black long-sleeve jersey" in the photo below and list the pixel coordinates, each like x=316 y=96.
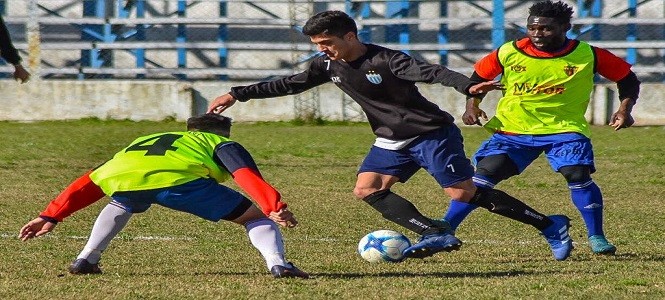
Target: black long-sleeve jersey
x=7 y=50
x=382 y=82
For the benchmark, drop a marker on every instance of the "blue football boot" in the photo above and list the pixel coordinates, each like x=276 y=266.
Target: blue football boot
x=558 y=237
x=600 y=245
x=430 y=244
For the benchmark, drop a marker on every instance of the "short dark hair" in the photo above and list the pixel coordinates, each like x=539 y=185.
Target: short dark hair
x=210 y=122
x=332 y=22
x=558 y=11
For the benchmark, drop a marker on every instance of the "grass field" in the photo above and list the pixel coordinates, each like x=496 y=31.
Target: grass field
x=164 y=254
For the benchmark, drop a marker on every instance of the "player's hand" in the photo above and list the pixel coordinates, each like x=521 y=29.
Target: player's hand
x=485 y=87
x=472 y=116
x=21 y=74
x=284 y=217
x=621 y=119
x=473 y=113
x=221 y=103
x=36 y=228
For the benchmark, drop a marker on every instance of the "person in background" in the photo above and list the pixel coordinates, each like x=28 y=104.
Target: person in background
x=10 y=54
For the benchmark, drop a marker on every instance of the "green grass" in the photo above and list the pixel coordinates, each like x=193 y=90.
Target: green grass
x=164 y=254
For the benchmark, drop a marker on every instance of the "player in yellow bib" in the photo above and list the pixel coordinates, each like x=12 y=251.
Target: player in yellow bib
x=539 y=102
x=548 y=80
x=181 y=171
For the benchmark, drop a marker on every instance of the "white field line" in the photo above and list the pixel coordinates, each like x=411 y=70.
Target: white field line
x=315 y=239
x=72 y=237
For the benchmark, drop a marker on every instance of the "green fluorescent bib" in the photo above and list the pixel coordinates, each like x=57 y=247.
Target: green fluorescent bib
x=161 y=160
x=544 y=95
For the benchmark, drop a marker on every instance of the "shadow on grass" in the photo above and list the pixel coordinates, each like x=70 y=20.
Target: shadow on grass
x=429 y=274
x=490 y=274
x=626 y=257
x=388 y=274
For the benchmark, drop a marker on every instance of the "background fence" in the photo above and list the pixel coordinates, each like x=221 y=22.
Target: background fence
x=251 y=40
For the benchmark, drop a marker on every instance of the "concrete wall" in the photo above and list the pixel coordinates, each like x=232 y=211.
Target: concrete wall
x=63 y=100
x=158 y=100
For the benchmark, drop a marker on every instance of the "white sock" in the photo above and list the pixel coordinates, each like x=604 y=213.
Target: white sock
x=266 y=237
x=110 y=221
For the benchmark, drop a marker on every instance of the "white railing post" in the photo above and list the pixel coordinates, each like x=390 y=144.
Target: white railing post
x=34 y=41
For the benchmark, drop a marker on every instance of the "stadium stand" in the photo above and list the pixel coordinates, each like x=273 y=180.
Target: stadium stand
x=238 y=40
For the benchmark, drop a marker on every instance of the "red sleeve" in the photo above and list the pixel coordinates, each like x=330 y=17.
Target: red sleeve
x=489 y=67
x=609 y=65
x=258 y=189
x=79 y=194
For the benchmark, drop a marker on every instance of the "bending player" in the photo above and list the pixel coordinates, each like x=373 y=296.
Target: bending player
x=181 y=171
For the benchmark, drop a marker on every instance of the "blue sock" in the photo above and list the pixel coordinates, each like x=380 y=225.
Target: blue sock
x=589 y=201
x=457 y=212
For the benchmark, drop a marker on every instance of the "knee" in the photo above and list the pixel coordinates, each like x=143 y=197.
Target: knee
x=463 y=195
x=463 y=191
x=362 y=192
x=497 y=168
x=576 y=173
x=364 y=188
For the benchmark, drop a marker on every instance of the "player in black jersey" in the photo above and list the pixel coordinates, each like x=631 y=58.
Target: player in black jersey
x=412 y=132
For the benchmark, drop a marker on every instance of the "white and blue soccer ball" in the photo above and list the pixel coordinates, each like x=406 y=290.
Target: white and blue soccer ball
x=383 y=246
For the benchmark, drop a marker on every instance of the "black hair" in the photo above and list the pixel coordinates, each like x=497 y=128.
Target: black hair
x=559 y=11
x=331 y=22
x=210 y=122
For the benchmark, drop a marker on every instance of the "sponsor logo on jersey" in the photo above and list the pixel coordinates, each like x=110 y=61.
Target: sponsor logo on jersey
x=570 y=70
x=533 y=89
x=373 y=77
x=336 y=79
x=518 y=68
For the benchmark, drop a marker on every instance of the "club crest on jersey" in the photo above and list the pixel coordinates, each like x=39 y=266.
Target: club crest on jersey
x=570 y=70
x=373 y=77
x=517 y=68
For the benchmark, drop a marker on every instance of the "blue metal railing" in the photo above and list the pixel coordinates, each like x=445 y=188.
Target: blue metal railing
x=107 y=33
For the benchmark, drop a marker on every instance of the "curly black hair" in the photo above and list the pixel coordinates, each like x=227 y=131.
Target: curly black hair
x=556 y=10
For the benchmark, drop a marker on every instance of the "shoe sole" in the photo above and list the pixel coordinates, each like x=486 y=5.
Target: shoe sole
x=427 y=252
x=566 y=256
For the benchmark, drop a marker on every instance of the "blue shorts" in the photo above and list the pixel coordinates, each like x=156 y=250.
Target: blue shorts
x=564 y=149
x=202 y=197
x=439 y=152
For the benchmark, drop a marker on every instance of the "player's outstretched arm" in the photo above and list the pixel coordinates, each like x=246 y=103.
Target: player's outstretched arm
x=245 y=173
x=79 y=194
x=36 y=228
x=221 y=103
x=486 y=86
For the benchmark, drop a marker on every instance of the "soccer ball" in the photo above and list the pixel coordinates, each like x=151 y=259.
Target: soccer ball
x=383 y=245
